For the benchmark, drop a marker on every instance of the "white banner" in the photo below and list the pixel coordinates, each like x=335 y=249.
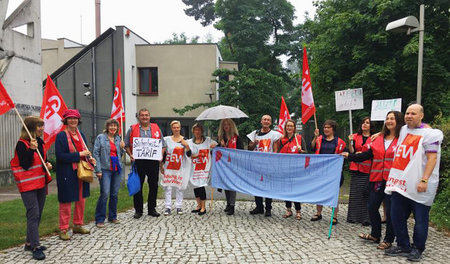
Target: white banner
x=147 y=148
x=380 y=108
x=351 y=99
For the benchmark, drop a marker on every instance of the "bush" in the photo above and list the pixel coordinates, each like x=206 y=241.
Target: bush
x=440 y=211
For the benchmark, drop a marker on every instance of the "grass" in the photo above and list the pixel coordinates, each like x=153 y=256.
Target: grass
x=13 y=219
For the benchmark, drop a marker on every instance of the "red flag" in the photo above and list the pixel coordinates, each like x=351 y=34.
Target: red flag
x=308 y=107
x=6 y=103
x=52 y=109
x=284 y=116
x=117 y=105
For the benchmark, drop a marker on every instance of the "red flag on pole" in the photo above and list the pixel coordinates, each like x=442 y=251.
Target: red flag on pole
x=117 y=105
x=52 y=109
x=284 y=116
x=308 y=107
x=6 y=102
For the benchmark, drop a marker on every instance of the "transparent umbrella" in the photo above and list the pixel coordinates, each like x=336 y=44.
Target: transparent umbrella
x=221 y=112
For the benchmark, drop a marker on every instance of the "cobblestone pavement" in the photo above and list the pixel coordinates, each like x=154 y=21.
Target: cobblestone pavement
x=218 y=238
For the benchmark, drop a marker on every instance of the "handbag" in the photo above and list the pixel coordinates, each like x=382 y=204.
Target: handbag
x=85 y=171
x=133 y=182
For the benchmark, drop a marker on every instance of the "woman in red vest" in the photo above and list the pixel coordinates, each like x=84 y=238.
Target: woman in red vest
x=32 y=179
x=70 y=148
x=381 y=151
x=328 y=143
x=228 y=137
x=292 y=144
x=359 y=171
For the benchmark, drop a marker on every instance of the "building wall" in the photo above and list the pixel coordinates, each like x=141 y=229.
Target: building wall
x=55 y=53
x=184 y=77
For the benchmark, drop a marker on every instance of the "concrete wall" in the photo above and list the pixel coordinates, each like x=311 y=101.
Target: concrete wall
x=184 y=77
x=57 y=52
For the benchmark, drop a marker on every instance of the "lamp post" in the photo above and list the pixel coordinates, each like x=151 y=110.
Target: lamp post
x=410 y=25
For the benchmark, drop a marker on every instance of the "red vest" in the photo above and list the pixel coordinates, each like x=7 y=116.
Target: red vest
x=32 y=179
x=339 y=148
x=135 y=132
x=232 y=142
x=364 y=166
x=290 y=147
x=382 y=160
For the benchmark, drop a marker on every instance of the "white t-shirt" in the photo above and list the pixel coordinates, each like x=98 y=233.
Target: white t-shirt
x=177 y=165
x=201 y=164
x=266 y=141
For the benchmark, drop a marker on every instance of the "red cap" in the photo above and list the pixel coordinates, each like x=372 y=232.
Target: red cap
x=71 y=113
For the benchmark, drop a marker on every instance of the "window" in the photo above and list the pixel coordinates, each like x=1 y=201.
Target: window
x=148 y=81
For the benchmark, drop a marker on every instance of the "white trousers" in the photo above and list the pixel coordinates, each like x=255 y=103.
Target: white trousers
x=168 y=196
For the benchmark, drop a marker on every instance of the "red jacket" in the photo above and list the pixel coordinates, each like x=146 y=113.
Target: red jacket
x=135 y=132
x=32 y=179
x=382 y=160
x=290 y=146
x=364 y=166
x=339 y=148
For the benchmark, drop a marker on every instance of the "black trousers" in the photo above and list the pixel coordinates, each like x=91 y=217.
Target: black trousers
x=34 y=203
x=200 y=192
x=376 y=197
x=297 y=205
x=149 y=168
x=259 y=203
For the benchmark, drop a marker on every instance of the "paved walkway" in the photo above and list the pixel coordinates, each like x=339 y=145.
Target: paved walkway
x=218 y=238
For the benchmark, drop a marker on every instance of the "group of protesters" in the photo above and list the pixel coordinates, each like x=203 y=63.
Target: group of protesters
x=371 y=157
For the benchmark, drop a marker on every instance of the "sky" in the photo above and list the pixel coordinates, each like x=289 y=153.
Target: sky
x=154 y=20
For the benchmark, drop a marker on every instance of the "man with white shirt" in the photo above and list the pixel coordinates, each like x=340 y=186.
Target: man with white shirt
x=413 y=182
x=263 y=140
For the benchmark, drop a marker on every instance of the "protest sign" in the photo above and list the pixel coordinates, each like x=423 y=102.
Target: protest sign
x=351 y=99
x=147 y=148
x=380 y=108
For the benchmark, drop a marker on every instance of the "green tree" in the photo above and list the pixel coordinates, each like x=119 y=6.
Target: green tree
x=181 y=39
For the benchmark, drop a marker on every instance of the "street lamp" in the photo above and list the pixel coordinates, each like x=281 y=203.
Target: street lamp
x=410 y=25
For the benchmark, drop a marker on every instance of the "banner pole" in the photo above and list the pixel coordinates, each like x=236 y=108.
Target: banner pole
x=212 y=199
x=331 y=223
x=350 y=119
x=29 y=134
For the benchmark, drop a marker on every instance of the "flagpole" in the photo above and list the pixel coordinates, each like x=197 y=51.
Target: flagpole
x=29 y=134
x=212 y=199
x=315 y=119
x=121 y=121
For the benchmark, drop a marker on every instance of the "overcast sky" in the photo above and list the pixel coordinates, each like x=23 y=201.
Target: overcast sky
x=154 y=20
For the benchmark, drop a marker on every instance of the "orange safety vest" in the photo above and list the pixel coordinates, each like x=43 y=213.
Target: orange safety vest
x=135 y=132
x=32 y=179
x=232 y=142
x=364 y=166
x=287 y=147
x=339 y=148
x=382 y=159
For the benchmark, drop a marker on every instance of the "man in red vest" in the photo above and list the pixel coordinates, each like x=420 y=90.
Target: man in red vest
x=145 y=167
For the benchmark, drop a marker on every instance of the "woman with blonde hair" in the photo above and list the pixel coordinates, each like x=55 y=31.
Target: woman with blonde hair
x=228 y=137
x=32 y=179
x=108 y=150
x=175 y=165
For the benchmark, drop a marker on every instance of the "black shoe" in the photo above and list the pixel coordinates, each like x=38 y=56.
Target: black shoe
x=415 y=255
x=268 y=213
x=195 y=211
x=154 y=213
x=202 y=213
x=257 y=211
x=38 y=254
x=397 y=251
x=316 y=217
x=231 y=210
x=28 y=247
x=137 y=215
x=227 y=208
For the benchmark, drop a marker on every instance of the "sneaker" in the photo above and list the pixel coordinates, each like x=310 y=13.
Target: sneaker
x=38 y=254
x=78 y=229
x=28 y=247
x=115 y=221
x=415 y=255
x=100 y=225
x=257 y=211
x=167 y=211
x=179 y=211
x=397 y=251
x=64 y=235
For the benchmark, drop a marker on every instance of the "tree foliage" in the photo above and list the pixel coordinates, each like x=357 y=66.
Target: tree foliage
x=181 y=39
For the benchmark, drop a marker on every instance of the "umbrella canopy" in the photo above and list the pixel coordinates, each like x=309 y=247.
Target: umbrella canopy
x=221 y=112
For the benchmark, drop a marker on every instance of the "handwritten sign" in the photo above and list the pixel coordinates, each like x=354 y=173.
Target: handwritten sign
x=351 y=99
x=147 y=148
x=380 y=108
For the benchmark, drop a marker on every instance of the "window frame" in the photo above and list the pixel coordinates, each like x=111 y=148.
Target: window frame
x=150 y=92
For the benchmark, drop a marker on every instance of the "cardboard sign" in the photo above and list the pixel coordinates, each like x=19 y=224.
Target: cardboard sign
x=351 y=99
x=380 y=108
x=147 y=148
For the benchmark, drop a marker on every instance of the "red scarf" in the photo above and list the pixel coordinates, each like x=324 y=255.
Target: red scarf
x=72 y=147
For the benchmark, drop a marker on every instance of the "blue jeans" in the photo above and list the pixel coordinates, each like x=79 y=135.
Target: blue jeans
x=401 y=208
x=109 y=187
